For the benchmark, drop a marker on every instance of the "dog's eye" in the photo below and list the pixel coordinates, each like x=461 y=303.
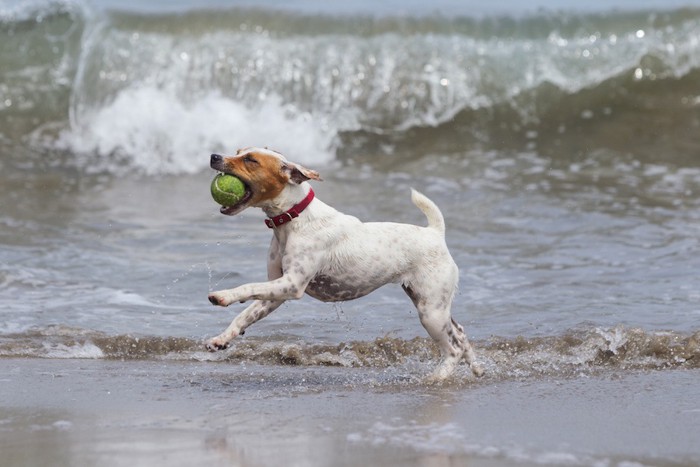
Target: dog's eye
x=249 y=160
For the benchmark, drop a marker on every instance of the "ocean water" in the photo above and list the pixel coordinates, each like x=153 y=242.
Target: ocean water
x=561 y=141
x=563 y=148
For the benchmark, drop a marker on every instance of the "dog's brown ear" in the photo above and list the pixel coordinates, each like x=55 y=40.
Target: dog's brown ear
x=298 y=173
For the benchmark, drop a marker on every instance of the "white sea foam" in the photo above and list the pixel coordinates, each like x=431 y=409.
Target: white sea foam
x=615 y=339
x=86 y=350
x=123 y=297
x=157 y=133
x=62 y=425
x=451 y=439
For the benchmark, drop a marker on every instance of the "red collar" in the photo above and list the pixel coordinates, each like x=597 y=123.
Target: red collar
x=287 y=216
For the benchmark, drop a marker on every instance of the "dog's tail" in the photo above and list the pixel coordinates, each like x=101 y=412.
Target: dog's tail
x=430 y=209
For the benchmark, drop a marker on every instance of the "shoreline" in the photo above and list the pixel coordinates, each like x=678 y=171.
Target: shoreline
x=113 y=413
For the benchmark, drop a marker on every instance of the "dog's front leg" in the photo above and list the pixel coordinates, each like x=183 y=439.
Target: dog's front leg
x=287 y=287
x=288 y=275
x=256 y=311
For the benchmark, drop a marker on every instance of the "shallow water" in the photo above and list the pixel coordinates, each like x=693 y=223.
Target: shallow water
x=139 y=413
x=561 y=145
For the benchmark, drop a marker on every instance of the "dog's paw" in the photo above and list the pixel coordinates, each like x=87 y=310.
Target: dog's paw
x=442 y=373
x=220 y=299
x=217 y=343
x=477 y=370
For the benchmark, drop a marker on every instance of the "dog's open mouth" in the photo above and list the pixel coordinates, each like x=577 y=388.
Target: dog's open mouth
x=218 y=163
x=240 y=205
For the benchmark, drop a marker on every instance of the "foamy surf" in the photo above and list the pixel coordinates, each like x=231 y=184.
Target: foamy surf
x=153 y=131
x=575 y=353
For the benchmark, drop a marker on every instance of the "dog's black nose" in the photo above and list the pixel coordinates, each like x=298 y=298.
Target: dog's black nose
x=215 y=159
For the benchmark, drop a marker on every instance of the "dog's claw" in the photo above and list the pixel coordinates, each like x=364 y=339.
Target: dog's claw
x=216 y=346
x=220 y=298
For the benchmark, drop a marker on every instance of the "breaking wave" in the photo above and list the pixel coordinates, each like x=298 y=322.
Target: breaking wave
x=112 y=91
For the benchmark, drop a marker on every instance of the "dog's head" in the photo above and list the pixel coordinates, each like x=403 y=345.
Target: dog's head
x=265 y=174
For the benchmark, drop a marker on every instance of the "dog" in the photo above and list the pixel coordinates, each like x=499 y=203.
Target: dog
x=331 y=256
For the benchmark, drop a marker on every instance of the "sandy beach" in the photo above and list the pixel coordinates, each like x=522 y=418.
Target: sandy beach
x=111 y=413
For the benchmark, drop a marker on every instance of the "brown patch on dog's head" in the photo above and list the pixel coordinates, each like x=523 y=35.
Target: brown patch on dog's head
x=265 y=174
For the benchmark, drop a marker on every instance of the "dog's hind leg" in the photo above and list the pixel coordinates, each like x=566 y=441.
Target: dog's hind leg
x=469 y=355
x=434 y=304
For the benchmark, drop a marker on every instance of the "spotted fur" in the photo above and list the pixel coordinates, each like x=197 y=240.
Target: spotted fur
x=332 y=256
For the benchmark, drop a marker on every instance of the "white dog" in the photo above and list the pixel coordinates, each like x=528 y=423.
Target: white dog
x=334 y=257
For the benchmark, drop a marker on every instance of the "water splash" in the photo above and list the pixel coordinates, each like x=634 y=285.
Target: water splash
x=571 y=354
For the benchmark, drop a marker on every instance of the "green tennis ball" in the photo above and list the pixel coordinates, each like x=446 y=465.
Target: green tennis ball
x=227 y=190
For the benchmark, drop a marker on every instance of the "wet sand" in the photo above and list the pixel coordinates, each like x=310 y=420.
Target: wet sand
x=145 y=413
